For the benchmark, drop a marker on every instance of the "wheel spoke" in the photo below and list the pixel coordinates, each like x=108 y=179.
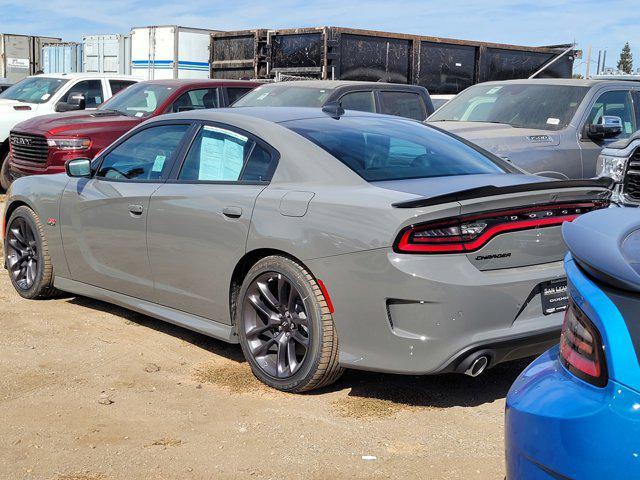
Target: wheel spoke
x=268 y=296
x=19 y=241
x=263 y=348
x=291 y=302
x=301 y=319
x=259 y=330
x=283 y=369
x=301 y=339
x=260 y=307
x=291 y=353
x=283 y=289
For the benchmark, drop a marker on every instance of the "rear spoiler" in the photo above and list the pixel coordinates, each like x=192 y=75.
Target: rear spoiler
x=492 y=191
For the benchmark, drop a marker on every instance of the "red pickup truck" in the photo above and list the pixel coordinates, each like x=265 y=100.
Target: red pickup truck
x=43 y=144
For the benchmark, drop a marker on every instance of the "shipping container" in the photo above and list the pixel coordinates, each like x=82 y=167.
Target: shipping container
x=107 y=54
x=161 y=52
x=21 y=55
x=62 y=58
x=444 y=66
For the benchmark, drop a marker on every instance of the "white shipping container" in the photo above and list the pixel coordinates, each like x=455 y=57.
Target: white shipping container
x=20 y=55
x=170 y=51
x=107 y=54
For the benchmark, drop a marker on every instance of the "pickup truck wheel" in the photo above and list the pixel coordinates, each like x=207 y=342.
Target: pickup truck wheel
x=5 y=178
x=27 y=255
x=285 y=327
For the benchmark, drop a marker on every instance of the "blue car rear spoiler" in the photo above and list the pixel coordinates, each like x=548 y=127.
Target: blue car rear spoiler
x=492 y=191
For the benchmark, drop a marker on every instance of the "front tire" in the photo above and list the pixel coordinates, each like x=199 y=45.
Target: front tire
x=27 y=255
x=5 y=177
x=286 y=329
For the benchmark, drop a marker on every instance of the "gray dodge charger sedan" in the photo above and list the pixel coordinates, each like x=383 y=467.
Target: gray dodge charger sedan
x=318 y=239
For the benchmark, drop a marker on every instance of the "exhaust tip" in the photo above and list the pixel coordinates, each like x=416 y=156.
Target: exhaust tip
x=477 y=366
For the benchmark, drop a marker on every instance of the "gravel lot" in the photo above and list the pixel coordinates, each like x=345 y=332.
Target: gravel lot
x=91 y=391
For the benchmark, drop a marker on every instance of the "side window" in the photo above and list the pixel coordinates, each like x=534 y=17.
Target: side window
x=196 y=100
x=234 y=93
x=361 y=101
x=90 y=89
x=117 y=85
x=221 y=155
x=402 y=104
x=617 y=103
x=147 y=155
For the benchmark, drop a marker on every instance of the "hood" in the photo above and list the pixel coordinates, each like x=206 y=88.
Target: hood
x=437 y=186
x=71 y=123
x=500 y=138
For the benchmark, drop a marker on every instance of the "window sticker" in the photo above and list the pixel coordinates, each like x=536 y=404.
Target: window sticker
x=45 y=97
x=553 y=121
x=494 y=90
x=158 y=163
x=221 y=156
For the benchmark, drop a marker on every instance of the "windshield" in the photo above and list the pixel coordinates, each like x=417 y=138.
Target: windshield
x=284 y=96
x=380 y=148
x=544 y=107
x=139 y=100
x=33 y=89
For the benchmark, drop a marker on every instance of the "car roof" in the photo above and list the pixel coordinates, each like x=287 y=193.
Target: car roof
x=179 y=82
x=334 y=84
x=576 y=82
x=87 y=75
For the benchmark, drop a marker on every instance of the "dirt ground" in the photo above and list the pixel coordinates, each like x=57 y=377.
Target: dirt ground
x=91 y=391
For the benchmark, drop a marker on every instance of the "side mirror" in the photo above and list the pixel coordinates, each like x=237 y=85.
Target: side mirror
x=609 y=127
x=76 y=101
x=78 y=168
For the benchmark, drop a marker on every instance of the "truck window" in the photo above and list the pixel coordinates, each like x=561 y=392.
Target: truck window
x=234 y=93
x=361 y=101
x=616 y=103
x=197 y=100
x=90 y=89
x=402 y=104
x=117 y=85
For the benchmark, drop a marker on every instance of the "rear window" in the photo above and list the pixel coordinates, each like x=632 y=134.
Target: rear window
x=402 y=104
x=382 y=148
x=284 y=96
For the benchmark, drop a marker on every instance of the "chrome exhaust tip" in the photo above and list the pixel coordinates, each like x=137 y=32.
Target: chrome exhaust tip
x=477 y=366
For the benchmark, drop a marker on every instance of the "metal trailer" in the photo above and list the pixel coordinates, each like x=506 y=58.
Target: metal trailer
x=62 y=58
x=107 y=54
x=20 y=55
x=444 y=66
x=170 y=51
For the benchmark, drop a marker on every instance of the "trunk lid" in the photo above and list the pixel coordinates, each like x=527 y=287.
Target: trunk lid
x=518 y=218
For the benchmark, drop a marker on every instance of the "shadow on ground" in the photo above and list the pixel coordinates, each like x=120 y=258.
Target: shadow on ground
x=369 y=393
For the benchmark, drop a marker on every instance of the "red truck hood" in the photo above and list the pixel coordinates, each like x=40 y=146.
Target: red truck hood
x=85 y=122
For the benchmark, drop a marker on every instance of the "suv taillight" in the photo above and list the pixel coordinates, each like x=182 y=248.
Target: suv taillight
x=581 y=350
x=468 y=233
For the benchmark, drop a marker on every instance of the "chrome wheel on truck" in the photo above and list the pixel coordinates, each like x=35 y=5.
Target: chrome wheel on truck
x=286 y=328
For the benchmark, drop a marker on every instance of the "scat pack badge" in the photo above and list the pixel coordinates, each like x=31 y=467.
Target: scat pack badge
x=52 y=221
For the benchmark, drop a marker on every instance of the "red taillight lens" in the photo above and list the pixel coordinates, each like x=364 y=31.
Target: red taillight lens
x=469 y=233
x=581 y=350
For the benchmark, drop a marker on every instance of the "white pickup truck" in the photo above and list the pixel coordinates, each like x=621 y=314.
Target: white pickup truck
x=51 y=93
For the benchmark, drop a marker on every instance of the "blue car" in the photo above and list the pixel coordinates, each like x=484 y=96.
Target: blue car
x=575 y=411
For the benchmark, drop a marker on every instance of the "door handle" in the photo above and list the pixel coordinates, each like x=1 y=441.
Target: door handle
x=232 y=212
x=136 y=209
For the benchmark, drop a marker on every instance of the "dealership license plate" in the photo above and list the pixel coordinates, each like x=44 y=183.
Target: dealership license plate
x=555 y=297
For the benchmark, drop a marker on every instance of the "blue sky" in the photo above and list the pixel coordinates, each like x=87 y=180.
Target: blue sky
x=604 y=24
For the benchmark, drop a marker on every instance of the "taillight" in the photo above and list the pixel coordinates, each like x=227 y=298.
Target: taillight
x=581 y=350
x=469 y=233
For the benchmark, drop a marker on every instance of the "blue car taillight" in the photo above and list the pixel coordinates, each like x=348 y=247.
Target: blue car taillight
x=581 y=349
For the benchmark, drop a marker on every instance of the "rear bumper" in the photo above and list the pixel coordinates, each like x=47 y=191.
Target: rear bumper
x=414 y=314
x=558 y=427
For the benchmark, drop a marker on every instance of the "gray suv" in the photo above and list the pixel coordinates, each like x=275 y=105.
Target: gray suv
x=550 y=127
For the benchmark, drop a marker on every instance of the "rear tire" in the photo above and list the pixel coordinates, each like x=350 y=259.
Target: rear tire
x=285 y=327
x=5 y=177
x=27 y=255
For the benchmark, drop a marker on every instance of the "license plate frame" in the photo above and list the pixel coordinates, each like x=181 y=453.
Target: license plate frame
x=554 y=296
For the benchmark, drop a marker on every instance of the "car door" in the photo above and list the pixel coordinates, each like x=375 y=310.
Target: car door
x=91 y=89
x=199 y=220
x=618 y=103
x=104 y=217
x=360 y=100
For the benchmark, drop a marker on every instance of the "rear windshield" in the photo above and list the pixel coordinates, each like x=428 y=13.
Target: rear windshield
x=544 y=107
x=284 y=96
x=386 y=148
x=33 y=89
x=139 y=100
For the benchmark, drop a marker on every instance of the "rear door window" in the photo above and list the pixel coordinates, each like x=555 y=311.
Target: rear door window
x=197 y=100
x=147 y=155
x=117 y=85
x=402 y=104
x=361 y=101
x=234 y=93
